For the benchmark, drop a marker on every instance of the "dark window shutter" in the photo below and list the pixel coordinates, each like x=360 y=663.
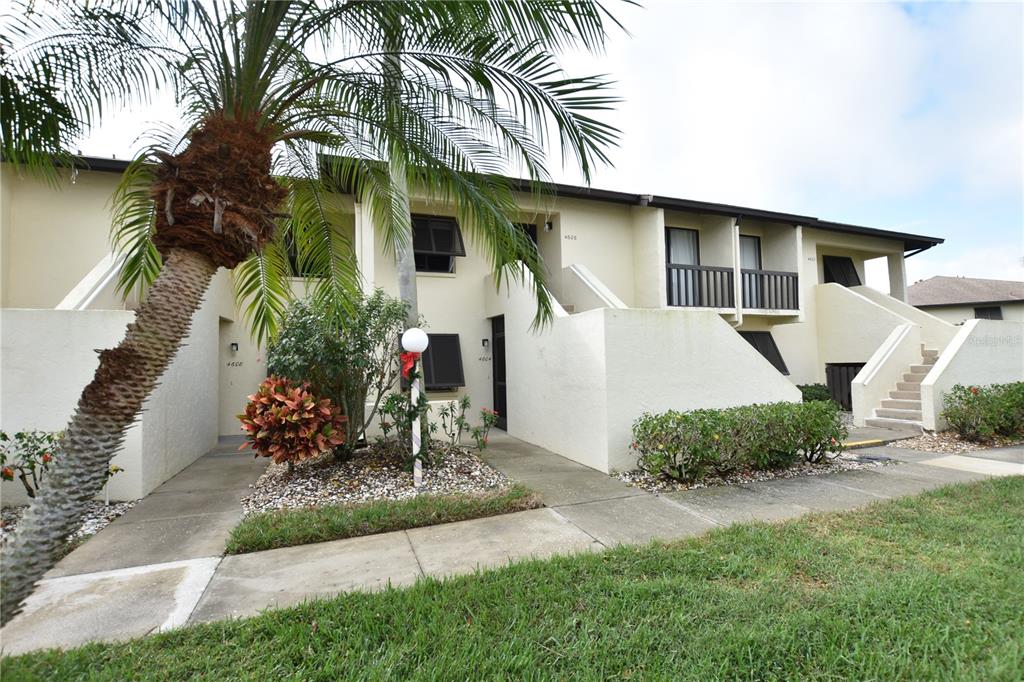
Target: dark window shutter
x=442 y=362
x=840 y=269
x=990 y=312
x=437 y=235
x=765 y=345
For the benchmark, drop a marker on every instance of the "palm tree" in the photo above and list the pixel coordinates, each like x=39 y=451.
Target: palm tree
x=284 y=101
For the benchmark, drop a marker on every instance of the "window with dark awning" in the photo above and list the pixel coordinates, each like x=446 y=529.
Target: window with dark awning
x=442 y=362
x=765 y=345
x=989 y=312
x=436 y=241
x=840 y=269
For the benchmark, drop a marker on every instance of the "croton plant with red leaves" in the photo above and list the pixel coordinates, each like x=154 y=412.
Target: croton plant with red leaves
x=287 y=422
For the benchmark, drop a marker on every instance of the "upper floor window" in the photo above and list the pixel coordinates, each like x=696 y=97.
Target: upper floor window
x=989 y=312
x=840 y=269
x=750 y=252
x=682 y=246
x=436 y=241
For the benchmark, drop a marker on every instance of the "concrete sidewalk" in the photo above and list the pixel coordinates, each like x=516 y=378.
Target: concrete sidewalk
x=586 y=511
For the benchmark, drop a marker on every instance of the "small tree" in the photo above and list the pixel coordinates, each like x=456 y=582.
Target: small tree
x=350 y=358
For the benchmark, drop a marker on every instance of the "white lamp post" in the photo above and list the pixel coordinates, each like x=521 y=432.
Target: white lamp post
x=415 y=340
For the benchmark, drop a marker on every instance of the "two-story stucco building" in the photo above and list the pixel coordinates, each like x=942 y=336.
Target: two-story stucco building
x=661 y=303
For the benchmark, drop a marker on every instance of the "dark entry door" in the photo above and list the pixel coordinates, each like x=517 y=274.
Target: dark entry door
x=498 y=370
x=839 y=377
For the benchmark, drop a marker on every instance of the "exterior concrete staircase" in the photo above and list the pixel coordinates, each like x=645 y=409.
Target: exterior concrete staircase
x=902 y=409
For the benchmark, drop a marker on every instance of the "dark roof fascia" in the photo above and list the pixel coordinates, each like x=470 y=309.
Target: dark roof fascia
x=95 y=163
x=910 y=241
x=970 y=303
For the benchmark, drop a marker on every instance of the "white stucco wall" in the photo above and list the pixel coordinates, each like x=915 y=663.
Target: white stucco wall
x=935 y=332
x=51 y=236
x=576 y=387
x=958 y=314
x=850 y=326
x=982 y=352
x=46 y=358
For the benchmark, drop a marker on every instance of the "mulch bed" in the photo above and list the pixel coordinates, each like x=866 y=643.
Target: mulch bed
x=374 y=474
x=845 y=462
x=949 y=443
x=97 y=517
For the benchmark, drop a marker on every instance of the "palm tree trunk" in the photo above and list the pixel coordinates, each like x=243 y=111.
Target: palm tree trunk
x=108 y=407
x=405 y=260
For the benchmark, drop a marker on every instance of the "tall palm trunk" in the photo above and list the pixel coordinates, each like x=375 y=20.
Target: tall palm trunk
x=109 y=405
x=405 y=259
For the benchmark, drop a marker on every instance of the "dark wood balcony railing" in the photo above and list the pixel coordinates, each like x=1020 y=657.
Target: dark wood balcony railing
x=700 y=286
x=768 y=290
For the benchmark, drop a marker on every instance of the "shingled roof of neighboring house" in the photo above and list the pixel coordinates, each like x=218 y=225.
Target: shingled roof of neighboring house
x=963 y=290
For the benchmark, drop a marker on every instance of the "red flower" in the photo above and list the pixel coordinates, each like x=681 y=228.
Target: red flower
x=47 y=457
x=974 y=390
x=7 y=473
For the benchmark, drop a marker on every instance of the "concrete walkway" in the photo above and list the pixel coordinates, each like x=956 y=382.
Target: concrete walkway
x=586 y=511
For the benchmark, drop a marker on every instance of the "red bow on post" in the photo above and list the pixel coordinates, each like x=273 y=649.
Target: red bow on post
x=408 y=362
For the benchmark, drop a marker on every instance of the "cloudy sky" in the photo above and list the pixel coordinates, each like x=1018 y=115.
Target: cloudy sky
x=905 y=117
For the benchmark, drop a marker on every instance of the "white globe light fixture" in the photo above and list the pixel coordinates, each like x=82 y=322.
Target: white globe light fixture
x=415 y=340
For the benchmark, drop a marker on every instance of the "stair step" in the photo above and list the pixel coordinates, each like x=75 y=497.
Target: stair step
x=902 y=404
x=928 y=353
x=891 y=413
x=899 y=424
x=929 y=362
x=906 y=395
x=920 y=369
x=909 y=386
x=913 y=378
x=569 y=308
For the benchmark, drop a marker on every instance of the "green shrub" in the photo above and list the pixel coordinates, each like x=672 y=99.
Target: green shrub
x=350 y=356
x=813 y=392
x=689 y=446
x=980 y=413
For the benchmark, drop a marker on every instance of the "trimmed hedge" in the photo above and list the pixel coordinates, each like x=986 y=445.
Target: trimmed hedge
x=690 y=446
x=981 y=413
x=812 y=392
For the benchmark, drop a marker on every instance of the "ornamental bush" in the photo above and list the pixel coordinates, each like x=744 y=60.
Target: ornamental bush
x=812 y=392
x=981 y=413
x=27 y=455
x=690 y=446
x=287 y=422
x=348 y=356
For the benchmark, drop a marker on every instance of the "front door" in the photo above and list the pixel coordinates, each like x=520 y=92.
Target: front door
x=498 y=370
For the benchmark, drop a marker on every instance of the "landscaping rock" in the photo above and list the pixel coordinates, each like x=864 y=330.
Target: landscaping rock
x=949 y=443
x=372 y=475
x=845 y=462
x=96 y=518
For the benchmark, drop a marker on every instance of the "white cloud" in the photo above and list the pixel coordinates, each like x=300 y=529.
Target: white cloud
x=775 y=105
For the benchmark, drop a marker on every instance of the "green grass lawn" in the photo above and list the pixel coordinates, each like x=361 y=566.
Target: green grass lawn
x=285 y=528
x=921 y=588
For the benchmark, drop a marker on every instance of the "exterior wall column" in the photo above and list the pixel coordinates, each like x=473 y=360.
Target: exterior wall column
x=737 y=271
x=897 y=276
x=364 y=247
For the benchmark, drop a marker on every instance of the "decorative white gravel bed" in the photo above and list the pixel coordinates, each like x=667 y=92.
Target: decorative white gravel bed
x=97 y=517
x=370 y=476
x=847 y=461
x=949 y=443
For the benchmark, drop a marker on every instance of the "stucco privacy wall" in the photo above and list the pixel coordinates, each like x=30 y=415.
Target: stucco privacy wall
x=51 y=237
x=577 y=387
x=46 y=359
x=935 y=333
x=850 y=326
x=982 y=352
